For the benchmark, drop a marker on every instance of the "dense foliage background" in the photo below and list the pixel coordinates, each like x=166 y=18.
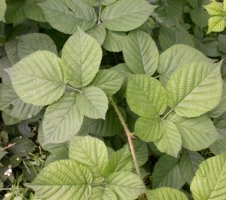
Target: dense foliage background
x=113 y=99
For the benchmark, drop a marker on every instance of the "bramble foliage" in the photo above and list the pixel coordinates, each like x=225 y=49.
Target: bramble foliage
x=113 y=99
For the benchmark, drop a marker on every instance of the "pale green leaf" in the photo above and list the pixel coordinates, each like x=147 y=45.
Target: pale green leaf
x=169 y=36
x=148 y=129
x=125 y=15
x=221 y=107
x=98 y=32
x=216 y=24
x=175 y=57
x=146 y=96
x=219 y=146
x=14 y=106
x=215 y=8
x=123 y=70
x=113 y=41
x=189 y=89
x=12 y=51
x=171 y=141
x=64 y=177
x=90 y=152
x=210 y=180
x=140 y=53
x=81 y=57
x=67 y=15
x=33 y=11
x=92 y=102
x=107 y=2
x=107 y=127
x=103 y=194
x=9 y=120
x=2 y=10
x=32 y=42
x=38 y=78
x=165 y=193
x=119 y=161
x=141 y=151
x=126 y=185
x=62 y=120
x=189 y=163
x=108 y=80
x=15 y=11
x=167 y=173
x=197 y=133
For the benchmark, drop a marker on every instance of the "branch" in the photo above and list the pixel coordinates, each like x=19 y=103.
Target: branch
x=7 y=147
x=128 y=134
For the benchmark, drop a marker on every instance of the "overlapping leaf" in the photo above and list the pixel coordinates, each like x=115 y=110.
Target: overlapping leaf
x=140 y=53
x=125 y=15
x=146 y=96
x=92 y=102
x=210 y=180
x=165 y=193
x=81 y=57
x=38 y=78
x=62 y=120
x=66 y=16
x=189 y=89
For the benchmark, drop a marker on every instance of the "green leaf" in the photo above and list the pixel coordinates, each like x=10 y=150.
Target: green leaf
x=221 y=107
x=66 y=16
x=189 y=87
x=200 y=17
x=81 y=57
x=9 y=120
x=140 y=53
x=64 y=177
x=113 y=41
x=216 y=24
x=141 y=151
x=146 y=96
x=98 y=32
x=33 y=11
x=90 y=152
x=126 y=185
x=168 y=36
x=165 y=193
x=15 y=11
x=215 y=8
x=107 y=127
x=103 y=193
x=148 y=129
x=177 y=56
x=189 y=163
x=210 y=179
x=107 y=2
x=219 y=146
x=119 y=161
x=125 y=15
x=171 y=141
x=167 y=173
x=108 y=80
x=32 y=42
x=2 y=10
x=38 y=78
x=197 y=133
x=92 y=102
x=62 y=120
